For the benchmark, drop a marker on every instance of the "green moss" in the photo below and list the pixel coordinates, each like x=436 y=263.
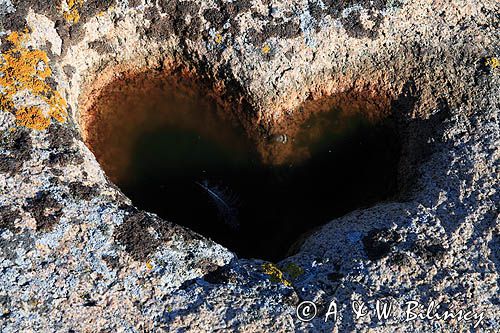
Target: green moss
x=293 y=270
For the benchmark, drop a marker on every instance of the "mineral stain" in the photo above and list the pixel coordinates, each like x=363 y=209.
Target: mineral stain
x=172 y=153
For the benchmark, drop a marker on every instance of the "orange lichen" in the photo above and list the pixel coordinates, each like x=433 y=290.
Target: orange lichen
x=24 y=70
x=266 y=49
x=71 y=12
x=32 y=117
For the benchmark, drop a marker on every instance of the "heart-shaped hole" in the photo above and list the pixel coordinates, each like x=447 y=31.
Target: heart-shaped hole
x=166 y=142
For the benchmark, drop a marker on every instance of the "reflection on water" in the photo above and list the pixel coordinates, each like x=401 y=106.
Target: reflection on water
x=171 y=153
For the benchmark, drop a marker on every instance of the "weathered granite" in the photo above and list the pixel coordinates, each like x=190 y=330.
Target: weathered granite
x=75 y=255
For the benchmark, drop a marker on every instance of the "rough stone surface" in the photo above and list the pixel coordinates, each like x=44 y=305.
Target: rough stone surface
x=75 y=255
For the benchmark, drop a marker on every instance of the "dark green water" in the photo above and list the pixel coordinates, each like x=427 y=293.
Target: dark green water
x=179 y=171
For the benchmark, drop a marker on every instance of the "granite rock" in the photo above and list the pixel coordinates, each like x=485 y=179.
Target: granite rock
x=76 y=255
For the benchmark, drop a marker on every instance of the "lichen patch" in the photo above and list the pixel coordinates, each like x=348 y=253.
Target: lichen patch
x=275 y=274
x=24 y=69
x=71 y=10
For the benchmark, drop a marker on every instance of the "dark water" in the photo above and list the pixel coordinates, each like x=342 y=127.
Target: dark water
x=347 y=163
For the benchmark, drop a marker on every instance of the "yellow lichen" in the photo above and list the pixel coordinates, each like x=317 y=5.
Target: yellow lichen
x=275 y=275
x=72 y=11
x=24 y=70
x=293 y=270
x=149 y=265
x=32 y=117
x=266 y=49
x=218 y=38
x=493 y=62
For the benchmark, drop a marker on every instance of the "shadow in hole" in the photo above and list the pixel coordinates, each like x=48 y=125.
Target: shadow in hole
x=273 y=205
